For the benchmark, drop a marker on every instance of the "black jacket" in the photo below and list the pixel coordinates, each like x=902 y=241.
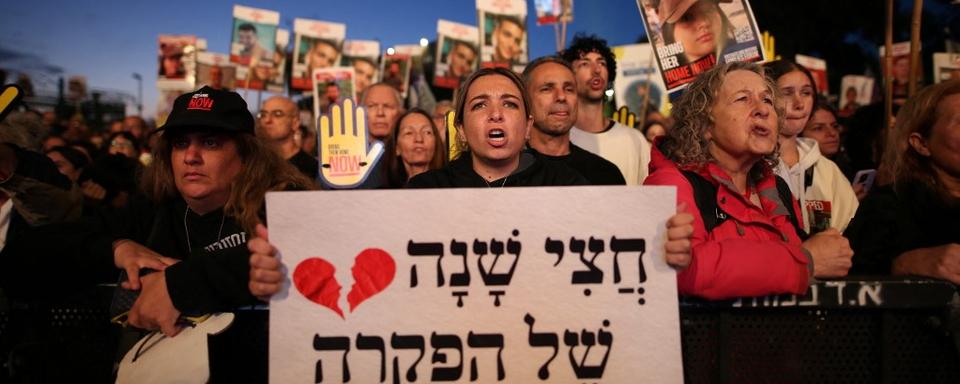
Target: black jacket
x=890 y=222
x=597 y=170
x=532 y=172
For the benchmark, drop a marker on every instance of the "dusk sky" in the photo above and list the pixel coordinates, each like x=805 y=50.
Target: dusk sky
x=107 y=41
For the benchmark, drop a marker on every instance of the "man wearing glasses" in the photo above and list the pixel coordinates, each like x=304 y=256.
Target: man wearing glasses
x=278 y=126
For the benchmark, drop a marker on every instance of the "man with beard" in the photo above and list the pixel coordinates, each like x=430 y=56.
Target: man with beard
x=595 y=68
x=552 y=90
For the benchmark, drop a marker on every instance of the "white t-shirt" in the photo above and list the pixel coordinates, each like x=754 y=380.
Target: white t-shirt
x=621 y=145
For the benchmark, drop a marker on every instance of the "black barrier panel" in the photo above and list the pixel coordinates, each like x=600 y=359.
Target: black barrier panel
x=851 y=331
x=65 y=340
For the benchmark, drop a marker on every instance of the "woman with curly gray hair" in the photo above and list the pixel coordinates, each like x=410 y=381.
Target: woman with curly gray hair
x=746 y=240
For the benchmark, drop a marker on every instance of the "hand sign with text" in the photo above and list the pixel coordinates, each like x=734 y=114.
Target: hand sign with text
x=346 y=156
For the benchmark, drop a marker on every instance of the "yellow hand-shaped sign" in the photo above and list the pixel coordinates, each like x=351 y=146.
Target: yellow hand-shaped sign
x=8 y=97
x=453 y=142
x=769 y=47
x=625 y=117
x=346 y=157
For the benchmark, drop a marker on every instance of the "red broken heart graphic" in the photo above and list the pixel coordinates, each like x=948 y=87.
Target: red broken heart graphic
x=373 y=270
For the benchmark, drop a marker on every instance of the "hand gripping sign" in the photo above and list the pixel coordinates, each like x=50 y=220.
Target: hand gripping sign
x=346 y=156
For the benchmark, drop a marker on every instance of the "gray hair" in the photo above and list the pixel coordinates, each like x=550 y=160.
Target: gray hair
x=396 y=93
x=686 y=143
x=23 y=129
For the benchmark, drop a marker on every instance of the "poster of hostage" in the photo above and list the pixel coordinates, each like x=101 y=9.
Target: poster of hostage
x=457 y=53
x=267 y=76
x=691 y=37
x=379 y=290
x=254 y=36
x=176 y=60
x=317 y=44
x=332 y=86
x=503 y=29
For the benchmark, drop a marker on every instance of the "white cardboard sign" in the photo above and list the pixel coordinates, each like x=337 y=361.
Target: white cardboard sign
x=474 y=285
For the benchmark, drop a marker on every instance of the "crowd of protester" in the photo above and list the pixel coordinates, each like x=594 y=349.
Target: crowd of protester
x=761 y=163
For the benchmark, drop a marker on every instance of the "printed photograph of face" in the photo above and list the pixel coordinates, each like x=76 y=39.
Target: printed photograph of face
x=253 y=40
x=332 y=87
x=700 y=26
x=460 y=56
x=335 y=89
x=171 y=61
x=507 y=36
x=318 y=53
x=366 y=72
x=216 y=76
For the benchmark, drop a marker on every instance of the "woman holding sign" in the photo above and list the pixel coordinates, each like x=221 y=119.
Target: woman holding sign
x=493 y=118
x=719 y=155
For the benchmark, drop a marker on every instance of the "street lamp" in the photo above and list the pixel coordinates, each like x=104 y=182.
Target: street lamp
x=139 y=79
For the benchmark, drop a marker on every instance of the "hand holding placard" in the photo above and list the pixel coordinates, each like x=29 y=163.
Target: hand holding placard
x=346 y=157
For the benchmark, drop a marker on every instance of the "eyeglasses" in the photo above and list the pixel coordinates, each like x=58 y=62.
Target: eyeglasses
x=276 y=114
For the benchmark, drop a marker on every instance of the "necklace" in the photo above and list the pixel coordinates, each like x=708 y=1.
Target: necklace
x=501 y=184
x=186 y=230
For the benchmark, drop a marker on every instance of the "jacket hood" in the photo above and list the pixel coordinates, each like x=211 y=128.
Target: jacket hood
x=809 y=152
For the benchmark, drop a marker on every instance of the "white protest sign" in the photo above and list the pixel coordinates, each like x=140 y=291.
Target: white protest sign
x=637 y=79
x=563 y=284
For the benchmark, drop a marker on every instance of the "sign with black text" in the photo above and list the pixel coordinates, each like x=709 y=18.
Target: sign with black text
x=690 y=37
x=386 y=285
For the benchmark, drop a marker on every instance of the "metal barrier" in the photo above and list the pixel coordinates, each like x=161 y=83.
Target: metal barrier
x=850 y=331
x=863 y=330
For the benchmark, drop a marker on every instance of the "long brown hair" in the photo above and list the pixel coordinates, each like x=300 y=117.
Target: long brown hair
x=397 y=172
x=901 y=164
x=263 y=170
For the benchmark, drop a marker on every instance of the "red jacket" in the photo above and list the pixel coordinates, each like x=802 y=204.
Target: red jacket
x=754 y=252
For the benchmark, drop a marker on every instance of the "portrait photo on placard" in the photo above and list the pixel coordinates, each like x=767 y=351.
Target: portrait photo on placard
x=253 y=43
x=690 y=37
x=331 y=86
x=458 y=59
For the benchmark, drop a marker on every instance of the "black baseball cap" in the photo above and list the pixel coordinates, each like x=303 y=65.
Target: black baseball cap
x=208 y=108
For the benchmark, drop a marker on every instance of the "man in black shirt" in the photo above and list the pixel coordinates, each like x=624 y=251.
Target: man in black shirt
x=278 y=125
x=552 y=91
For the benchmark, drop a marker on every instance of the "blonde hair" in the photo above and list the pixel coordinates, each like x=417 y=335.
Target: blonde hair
x=686 y=143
